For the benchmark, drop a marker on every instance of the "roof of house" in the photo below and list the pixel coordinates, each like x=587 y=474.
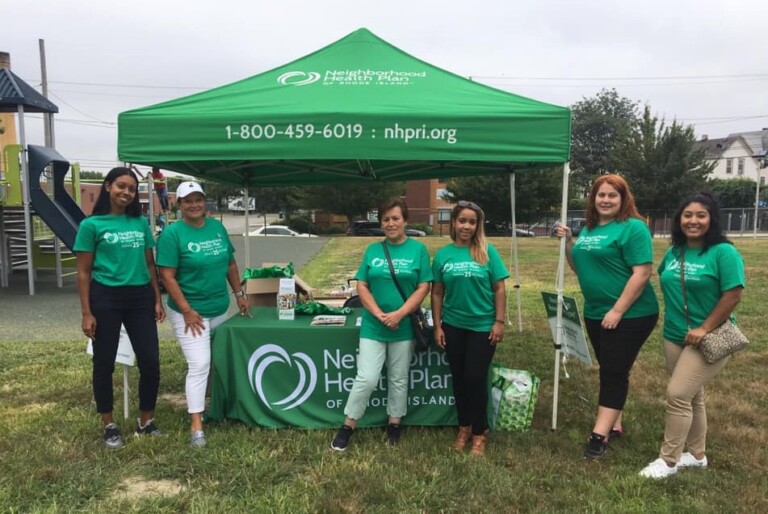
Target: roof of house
x=756 y=142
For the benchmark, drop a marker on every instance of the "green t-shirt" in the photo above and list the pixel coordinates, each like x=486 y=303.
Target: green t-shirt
x=201 y=256
x=468 y=301
x=411 y=262
x=118 y=244
x=603 y=257
x=707 y=277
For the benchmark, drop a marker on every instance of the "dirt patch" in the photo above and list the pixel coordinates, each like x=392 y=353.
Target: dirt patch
x=176 y=400
x=133 y=488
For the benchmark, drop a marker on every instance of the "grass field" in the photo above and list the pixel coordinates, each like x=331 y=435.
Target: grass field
x=52 y=458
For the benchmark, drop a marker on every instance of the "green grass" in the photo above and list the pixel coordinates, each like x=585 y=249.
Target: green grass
x=52 y=460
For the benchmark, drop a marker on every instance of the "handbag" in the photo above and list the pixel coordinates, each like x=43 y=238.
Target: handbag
x=721 y=342
x=423 y=333
x=513 y=398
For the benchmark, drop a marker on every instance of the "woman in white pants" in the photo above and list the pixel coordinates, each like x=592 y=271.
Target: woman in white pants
x=196 y=260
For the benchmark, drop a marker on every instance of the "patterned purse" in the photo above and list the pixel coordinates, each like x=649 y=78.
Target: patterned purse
x=723 y=341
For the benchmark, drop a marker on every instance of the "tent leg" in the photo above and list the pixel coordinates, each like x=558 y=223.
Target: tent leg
x=247 y=229
x=514 y=255
x=559 y=285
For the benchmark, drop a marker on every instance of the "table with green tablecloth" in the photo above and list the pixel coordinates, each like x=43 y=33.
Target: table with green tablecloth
x=277 y=373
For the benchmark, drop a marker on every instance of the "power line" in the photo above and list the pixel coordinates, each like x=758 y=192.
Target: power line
x=763 y=76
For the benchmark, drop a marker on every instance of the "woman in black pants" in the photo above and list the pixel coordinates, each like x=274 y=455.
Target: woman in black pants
x=469 y=305
x=612 y=258
x=117 y=283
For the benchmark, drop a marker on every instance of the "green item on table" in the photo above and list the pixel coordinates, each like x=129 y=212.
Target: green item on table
x=269 y=272
x=513 y=398
x=313 y=308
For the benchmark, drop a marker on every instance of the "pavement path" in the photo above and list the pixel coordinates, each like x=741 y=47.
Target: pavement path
x=53 y=314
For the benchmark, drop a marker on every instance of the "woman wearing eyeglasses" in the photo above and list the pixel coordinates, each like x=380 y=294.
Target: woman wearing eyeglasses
x=612 y=258
x=469 y=305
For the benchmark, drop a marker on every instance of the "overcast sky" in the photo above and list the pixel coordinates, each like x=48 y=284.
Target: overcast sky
x=703 y=62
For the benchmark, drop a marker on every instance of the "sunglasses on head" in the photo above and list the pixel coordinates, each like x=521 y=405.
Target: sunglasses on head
x=471 y=205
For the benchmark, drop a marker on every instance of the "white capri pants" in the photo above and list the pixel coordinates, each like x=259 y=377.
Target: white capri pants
x=197 y=351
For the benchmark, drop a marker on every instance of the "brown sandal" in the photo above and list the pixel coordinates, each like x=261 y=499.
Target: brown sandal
x=462 y=438
x=478 y=445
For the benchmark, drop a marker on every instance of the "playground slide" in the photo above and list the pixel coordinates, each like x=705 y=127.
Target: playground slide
x=60 y=213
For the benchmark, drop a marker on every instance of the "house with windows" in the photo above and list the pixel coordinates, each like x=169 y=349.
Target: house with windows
x=740 y=155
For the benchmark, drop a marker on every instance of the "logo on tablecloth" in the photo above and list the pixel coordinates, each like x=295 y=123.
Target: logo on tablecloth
x=269 y=354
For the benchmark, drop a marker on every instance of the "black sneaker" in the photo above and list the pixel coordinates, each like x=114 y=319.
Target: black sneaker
x=112 y=438
x=596 y=447
x=393 y=434
x=341 y=440
x=150 y=429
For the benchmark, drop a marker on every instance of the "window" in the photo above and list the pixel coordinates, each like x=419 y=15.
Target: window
x=762 y=181
x=741 y=165
x=444 y=215
x=729 y=166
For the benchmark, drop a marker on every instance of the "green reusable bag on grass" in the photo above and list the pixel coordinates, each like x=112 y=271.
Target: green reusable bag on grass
x=513 y=398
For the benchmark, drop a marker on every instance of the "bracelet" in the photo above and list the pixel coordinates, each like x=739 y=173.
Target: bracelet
x=499 y=321
x=240 y=293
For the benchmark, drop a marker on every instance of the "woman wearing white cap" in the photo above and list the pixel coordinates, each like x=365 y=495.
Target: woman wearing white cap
x=196 y=260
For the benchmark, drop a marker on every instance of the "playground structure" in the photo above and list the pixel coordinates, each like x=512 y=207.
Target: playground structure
x=38 y=216
x=43 y=238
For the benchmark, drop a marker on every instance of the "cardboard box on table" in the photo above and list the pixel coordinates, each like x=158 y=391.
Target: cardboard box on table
x=262 y=292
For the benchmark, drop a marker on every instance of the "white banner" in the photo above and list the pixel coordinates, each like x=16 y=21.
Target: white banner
x=573 y=342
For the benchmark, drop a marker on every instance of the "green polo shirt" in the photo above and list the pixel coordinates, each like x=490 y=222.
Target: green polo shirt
x=468 y=301
x=118 y=244
x=707 y=277
x=411 y=262
x=604 y=257
x=201 y=256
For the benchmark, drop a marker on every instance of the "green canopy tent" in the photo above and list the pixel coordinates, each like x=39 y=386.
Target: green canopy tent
x=358 y=109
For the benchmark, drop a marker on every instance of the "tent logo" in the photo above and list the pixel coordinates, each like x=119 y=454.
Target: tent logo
x=268 y=354
x=298 y=78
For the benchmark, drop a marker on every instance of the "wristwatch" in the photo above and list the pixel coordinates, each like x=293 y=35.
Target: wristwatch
x=239 y=293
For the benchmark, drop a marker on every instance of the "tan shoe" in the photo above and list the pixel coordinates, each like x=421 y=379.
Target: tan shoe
x=478 y=445
x=462 y=438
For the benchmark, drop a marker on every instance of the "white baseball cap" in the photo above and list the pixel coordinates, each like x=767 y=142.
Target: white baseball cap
x=187 y=188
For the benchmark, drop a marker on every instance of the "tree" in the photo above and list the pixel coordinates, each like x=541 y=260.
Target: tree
x=91 y=175
x=218 y=191
x=352 y=200
x=537 y=191
x=737 y=192
x=660 y=164
x=599 y=124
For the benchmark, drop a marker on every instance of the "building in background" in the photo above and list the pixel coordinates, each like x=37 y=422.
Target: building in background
x=739 y=155
x=426 y=204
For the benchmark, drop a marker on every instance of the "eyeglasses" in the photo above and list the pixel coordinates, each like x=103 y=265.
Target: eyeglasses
x=471 y=205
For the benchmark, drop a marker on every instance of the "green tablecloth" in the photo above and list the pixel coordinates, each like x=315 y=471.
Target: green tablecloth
x=279 y=374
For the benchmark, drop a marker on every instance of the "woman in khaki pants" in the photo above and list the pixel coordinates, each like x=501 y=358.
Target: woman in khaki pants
x=713 y=272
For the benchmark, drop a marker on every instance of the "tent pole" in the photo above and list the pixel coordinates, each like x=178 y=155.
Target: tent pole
x=247 y=206
x=512 y=195
x=26 y=201
x=559 y=288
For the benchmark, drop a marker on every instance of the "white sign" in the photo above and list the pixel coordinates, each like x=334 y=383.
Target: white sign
x=573 y=341
x=125 y=353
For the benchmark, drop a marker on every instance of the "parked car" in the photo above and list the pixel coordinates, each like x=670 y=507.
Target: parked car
x=277 y=231
x=575 y=224
x=505 y=229
x=373 y=228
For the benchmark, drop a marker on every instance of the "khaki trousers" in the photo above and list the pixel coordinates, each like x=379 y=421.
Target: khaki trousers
x=686 y=422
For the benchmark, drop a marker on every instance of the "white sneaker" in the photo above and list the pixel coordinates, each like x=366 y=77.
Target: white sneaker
x=658 y=469
x=687 y=460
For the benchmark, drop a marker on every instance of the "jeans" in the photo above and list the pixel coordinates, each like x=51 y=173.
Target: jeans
x=133 y=307
x=469 y=356
x=197 y=351
x=616 y=351
x=370 y=360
